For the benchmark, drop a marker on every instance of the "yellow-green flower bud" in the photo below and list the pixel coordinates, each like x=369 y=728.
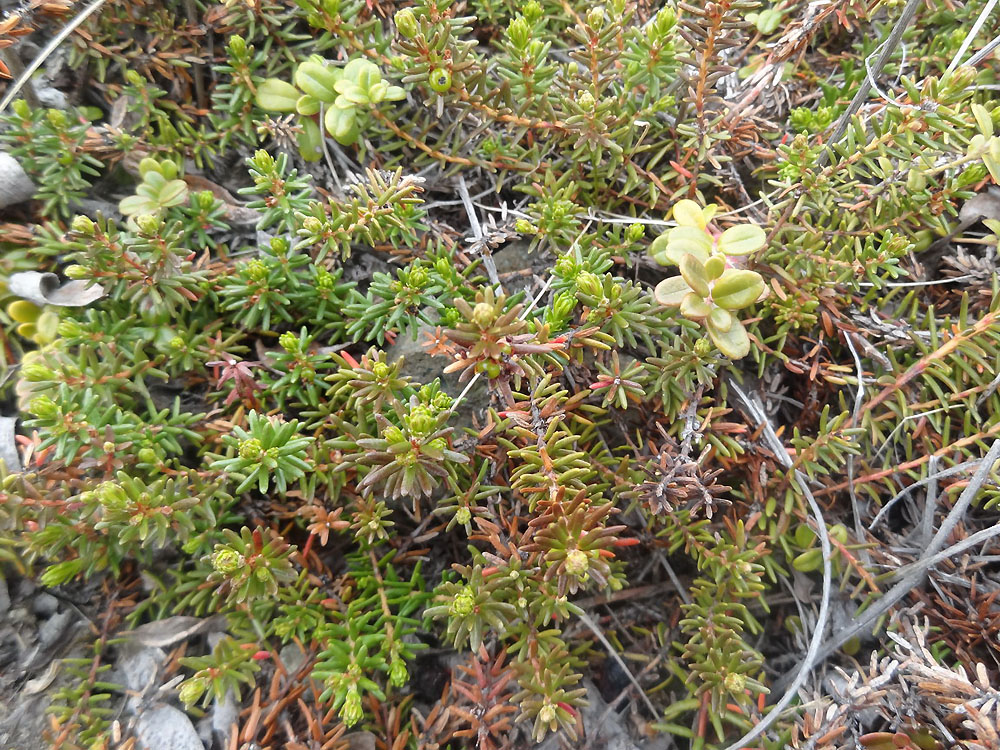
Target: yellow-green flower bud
x=418 y=278
x=56 y=118
x=191 y=691
x=577 y=563
x=380 y=370
x=590 y=284
x=43 y=406
x=77 y=272
x=227 y=561
x=421 y=421
x=352 y=712
x=483 y=314
x=324 y=279
x=406 y=23
x=532 y=10
x=251 y=449
x=256 y=270
x=69 y=328
x=147 y=223
x=110 y=495
x=463 y=604
x=463 y=515
x=237 y=45
x=312 y=225
x=519 y=32
x=83 y=225
x=36 y=372
x=397 y=672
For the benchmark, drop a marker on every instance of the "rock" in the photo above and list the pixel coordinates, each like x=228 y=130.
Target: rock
x=292 y=657
x=984 y=205
x=45 y=605
x=139 y=666
x=4 y=598
x=511 y=260
x=160 y=727
x=51 y=97
x=54 y=628
x=225 y=718
x=422 y=368
x=15 y=185
x=8 y=446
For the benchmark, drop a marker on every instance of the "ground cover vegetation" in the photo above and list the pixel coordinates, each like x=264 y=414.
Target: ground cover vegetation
x=694 y=431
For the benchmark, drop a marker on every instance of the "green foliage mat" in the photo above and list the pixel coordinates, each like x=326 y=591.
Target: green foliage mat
x=700 y=292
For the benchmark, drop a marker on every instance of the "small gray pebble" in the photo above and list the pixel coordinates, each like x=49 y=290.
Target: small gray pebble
x=45 y=605
x=4 y=598
x=52 y=97
x=53 y=628
x=15 y=185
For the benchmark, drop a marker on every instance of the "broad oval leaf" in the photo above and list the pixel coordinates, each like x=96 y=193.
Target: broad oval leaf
x=734 y=343
x=694 y=274
x=173 y=193
x=671 y=292
x=742 y=239
x=737 y=289
x=681 y=240
x=694 y=307
x=687 y=213
x=275 y=95
x=714 y=267
x=339 y=122
x=317 y=80
x=658 y=250
x=307 y=105
x=136 y=204
x=720 y=319
x=310 y=140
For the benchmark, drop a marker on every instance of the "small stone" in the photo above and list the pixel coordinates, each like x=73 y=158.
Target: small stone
x=52 y=97
x=138 y=667
x=292 y=657
x=15 y=185
x=54 y=628
x=164 y=726
x=45 y=605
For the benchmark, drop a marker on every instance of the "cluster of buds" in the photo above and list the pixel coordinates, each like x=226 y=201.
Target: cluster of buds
x=249 y=566
x=409 y=459
x=491 y=340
